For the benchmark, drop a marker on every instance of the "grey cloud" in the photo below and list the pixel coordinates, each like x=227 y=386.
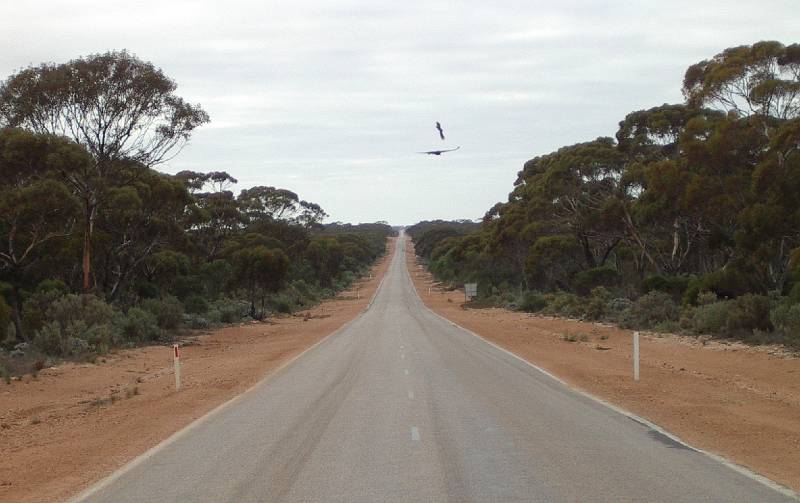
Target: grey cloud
x=332 y=98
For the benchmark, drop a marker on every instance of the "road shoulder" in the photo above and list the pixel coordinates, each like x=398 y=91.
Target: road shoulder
x=738 y=402
x=75 y=424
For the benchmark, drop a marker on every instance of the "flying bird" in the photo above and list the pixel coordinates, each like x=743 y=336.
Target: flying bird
x=441 y=133
x=438 y=152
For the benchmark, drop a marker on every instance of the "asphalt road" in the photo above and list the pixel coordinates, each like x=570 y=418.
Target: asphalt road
x=403 y=406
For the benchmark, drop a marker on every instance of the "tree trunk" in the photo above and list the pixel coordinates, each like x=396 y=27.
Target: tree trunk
x=91 y=207
x=16 y=313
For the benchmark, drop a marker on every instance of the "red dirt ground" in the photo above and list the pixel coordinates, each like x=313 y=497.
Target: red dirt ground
x=75 y=424
x=737 y=401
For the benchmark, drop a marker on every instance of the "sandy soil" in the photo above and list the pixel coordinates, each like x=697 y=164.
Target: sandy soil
x=737 y=401
x=75 y=424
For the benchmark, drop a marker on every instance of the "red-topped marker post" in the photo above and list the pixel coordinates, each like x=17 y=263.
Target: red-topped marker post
x=176 y=358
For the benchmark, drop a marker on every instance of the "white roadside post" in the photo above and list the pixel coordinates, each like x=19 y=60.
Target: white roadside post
x=636 y=356
x=176 y=358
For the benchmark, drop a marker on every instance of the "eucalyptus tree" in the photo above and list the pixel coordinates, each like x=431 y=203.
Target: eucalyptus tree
x=117 y=106
x=36 y=208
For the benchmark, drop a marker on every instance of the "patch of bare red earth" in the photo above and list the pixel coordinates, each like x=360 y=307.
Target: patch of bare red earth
x=730 y=399
x=75 y=424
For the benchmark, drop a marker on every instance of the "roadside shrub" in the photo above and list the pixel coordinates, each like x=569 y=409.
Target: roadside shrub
x=196 y=321
x=282 y=303
x=48 y=339
x=167 y=310
x=619 y=304
x=34 y=310
x=667 y=327
x=74 y=325
x=585 y=281
x=72 y=308
x=100 y=338
x=532 y=302
x=650 y=310
x=673 y=285
x=139 y=325
x=195 y=304
x=710 y=318
x=597 y=307
x=750 y=312
x=728 y=283
x=565 y=304
x=738 y=317
x=786 y=318
x=213 y=315
x=231 y=311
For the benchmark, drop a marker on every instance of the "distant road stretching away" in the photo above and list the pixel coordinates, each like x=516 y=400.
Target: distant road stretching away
x=401 y=405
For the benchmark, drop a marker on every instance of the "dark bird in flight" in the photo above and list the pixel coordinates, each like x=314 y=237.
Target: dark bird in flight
x=438 y=152
x=441 y=133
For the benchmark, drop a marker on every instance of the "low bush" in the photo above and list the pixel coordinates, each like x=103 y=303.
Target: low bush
x=725 y=283
x=195 y=304
x=196 y=321
x=138 y=325
x=564 y=304
x=532 y=302
x=650 y=310
x=674 y=285
x=281 y=303
x=167 y=310
x=585 y=281
x=786 y=319
x=597 y=307
x=230 y=311
x=739 y=317
x=75 y=325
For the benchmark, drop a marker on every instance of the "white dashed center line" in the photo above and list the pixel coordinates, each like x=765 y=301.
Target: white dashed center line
x=414 y=434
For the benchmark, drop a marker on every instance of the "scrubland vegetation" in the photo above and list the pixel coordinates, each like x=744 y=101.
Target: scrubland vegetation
x=99 y=250
x=687 y=220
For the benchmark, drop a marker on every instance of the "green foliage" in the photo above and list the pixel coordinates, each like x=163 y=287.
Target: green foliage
x=727 y=283
x=650 y=310
x=229 y=310
x=282 y=303
x=88 y=213
x=688 y=198
x=75 y=325
x=585 y=281
x=5 y=319
x=786 y=318
x=532 y=302
x=565 y=304
x=168 y=311
x=737 y=317
x=139 y=326
x=673 y=285
x=597 y=308
x=196 y=304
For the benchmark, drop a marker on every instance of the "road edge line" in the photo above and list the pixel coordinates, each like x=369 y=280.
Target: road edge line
x=141 y=458
x=766 y=481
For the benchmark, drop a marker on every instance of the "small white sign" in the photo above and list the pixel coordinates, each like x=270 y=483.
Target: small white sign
x=471 y=290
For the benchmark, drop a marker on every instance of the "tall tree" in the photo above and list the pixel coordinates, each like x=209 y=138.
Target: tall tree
x=36 y=208
x=116 y=105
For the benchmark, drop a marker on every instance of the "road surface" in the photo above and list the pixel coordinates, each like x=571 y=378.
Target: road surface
x=403 y=406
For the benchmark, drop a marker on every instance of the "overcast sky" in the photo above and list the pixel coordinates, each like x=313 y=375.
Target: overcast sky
x=331 y=99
